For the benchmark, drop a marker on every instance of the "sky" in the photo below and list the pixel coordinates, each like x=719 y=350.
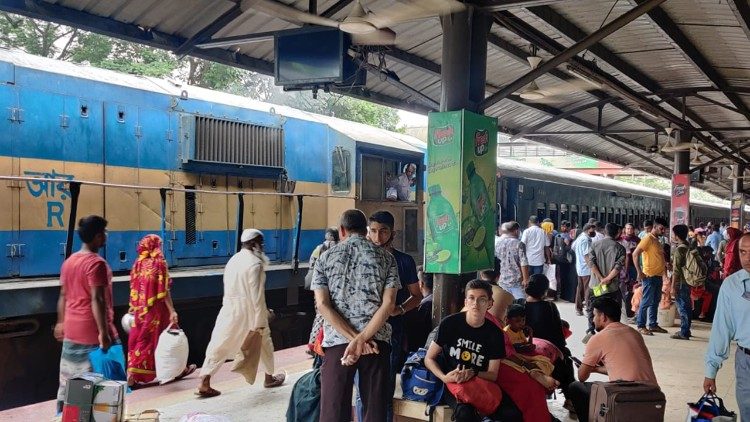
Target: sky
x=410 y=119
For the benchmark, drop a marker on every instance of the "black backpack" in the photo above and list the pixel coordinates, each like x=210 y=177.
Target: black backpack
x=561 y=251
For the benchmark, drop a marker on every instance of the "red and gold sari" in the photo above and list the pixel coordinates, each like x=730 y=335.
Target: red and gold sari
x=149 y=286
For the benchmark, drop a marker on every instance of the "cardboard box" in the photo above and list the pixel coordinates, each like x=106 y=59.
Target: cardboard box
x=79 y=394
x=108 y=401
x=150 y=415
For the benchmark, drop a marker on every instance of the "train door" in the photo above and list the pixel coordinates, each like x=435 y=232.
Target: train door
x=43 y=205
x=9 y=165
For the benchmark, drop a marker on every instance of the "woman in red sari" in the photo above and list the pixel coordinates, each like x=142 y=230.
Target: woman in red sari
x=152 y=309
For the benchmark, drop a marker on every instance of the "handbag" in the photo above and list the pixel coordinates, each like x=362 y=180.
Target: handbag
x=709 y=407
x=483 y=395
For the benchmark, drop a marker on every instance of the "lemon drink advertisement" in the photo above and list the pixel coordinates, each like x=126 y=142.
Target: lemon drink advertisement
x=461 y=156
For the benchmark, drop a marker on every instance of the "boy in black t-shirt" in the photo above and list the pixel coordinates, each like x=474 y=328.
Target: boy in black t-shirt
x=469 y=346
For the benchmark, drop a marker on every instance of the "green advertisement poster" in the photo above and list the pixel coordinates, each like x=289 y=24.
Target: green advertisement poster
x=460 y=203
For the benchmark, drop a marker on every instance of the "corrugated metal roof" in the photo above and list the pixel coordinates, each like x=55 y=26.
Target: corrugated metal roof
x=642 y=46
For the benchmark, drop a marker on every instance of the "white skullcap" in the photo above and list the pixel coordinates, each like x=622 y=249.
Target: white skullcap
x=250 y=234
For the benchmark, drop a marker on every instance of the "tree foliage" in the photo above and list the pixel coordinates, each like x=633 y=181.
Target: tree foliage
x=64 y=43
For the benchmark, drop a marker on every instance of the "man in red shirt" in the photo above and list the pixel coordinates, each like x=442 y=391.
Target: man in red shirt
x=84 y=311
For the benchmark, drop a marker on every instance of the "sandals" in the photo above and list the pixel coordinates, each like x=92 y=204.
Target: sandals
x=188 y=370
x=278 y=380
x=207 y=393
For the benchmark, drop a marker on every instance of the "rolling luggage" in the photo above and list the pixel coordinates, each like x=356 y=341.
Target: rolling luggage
x=626 y=401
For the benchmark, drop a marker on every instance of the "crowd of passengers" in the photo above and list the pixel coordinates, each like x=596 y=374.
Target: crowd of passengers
x=509 y=331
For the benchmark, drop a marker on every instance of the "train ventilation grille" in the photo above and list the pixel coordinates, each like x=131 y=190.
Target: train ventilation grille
x=225 y=141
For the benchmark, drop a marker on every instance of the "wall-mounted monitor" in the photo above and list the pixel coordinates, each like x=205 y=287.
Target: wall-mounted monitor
x=314 y=57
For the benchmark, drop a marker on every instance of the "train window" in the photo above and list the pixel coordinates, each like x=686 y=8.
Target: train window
x=553 y=214
x=574 y=216
x=372 y=178
x=541 y=211
x=603 y=215
x=401 y=181
x=410 y=230
x=584 y=215
x=564 y=213
x=190 y=216
x=341 y=164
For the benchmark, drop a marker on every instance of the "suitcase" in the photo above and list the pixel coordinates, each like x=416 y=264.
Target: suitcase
x=626 y=401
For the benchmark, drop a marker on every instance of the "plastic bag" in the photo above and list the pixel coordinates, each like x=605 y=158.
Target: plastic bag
x=111 y=364
x=203 y=417
x=171 y=354
x=550 y=271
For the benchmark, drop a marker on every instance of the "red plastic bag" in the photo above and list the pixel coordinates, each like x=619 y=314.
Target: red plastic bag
x=484 y=395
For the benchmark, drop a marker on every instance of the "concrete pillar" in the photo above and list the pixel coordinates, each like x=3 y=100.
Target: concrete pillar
x=464 y=72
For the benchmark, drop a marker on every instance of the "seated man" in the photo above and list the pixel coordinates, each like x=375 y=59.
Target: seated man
x=617 y=351
x=469 y=346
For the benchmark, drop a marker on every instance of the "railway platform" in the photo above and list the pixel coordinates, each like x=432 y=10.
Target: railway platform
x=678 y=366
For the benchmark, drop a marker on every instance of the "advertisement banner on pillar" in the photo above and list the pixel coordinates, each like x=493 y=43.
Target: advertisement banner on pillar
x=680 y=200
x=735 y=214
x=460 y=205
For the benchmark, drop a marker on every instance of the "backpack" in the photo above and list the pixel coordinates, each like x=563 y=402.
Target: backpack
x=561 y=251
x=695 y=270
x=418 y=383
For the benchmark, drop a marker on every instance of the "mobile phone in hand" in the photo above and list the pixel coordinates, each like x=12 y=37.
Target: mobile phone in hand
x=576 y=361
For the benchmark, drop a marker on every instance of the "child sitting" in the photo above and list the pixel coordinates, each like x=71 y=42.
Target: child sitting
x=519 y=334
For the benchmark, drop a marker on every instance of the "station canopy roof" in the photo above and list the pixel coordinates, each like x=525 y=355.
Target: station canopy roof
x=681 y=64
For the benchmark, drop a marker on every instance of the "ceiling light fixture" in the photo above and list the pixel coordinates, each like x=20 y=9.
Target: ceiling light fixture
x=584 y=77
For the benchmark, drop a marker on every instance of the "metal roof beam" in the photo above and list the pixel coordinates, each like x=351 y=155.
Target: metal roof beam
x=510 y=50
x=339 y=6
x=624 y=143
x=691 y=52
x=37 y=9
x=382 y=99
x=722 y=105
x=741 y=10
x=237 y=39
x=572 y=51
x=562 y=115
x=392 y=79
x=414 y=60
x=208 y=31
x=573 y=33
x=497 y=5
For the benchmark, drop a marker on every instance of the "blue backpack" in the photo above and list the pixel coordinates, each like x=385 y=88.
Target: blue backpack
x=418 y=383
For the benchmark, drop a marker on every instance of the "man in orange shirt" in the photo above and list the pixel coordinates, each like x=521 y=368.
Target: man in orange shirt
x=616 y=351
x=650 y=276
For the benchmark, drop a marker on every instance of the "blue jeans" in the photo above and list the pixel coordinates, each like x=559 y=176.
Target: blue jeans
x=742 y=372
x=650 y=301
x=536 y=269
x=685 y=308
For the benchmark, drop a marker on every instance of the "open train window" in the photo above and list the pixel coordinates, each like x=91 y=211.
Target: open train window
x=574 y=216
x=584 y=215
x=564 y=213
x=553 y=214
x=603 y=215
x=541 y=211
x=341 y=165
x=618 y=217
x=401 y=181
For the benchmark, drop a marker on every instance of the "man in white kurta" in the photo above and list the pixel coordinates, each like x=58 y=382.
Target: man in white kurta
x=243 y=310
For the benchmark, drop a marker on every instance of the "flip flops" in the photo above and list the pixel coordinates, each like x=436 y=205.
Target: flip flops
x=208 y=393
x=278 y=380
x=188 y=370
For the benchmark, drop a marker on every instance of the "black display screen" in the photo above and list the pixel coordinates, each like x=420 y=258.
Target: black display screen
x=307 y=57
